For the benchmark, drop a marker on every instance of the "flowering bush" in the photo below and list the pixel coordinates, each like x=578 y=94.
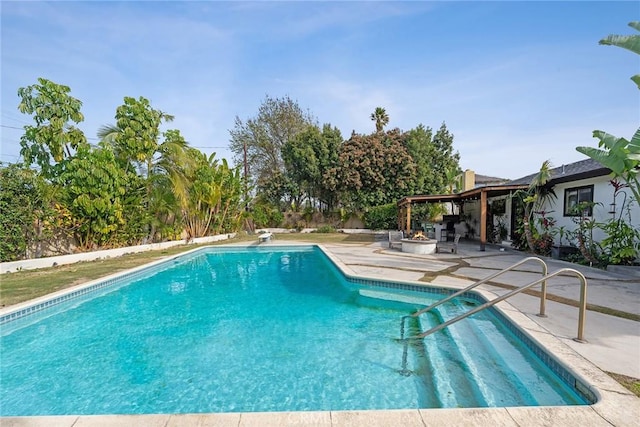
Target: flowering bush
x=543 y=243
x=543 y=238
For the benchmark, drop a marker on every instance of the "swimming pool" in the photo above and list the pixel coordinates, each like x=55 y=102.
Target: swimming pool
x=229 y=330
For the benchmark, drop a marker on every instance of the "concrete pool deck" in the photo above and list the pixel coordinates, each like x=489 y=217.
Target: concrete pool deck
x=613 y=345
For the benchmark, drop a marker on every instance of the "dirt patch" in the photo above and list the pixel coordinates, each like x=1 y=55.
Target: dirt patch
x=630 y=383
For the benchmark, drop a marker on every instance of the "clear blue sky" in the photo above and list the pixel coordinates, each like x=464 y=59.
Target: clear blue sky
x=516 y=82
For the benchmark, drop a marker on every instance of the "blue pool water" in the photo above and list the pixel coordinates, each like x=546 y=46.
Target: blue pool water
x=230 y=330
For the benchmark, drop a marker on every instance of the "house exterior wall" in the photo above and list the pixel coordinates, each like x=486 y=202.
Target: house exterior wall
x=469 y=226
x=602 y=196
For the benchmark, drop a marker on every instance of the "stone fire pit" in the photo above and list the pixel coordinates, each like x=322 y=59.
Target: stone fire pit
x=419 y=244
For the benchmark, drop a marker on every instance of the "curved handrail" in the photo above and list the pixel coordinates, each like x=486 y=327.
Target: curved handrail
x=543 y=296
x=582 y=307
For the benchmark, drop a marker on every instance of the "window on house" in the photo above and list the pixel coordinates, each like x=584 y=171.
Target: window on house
x=575 y=196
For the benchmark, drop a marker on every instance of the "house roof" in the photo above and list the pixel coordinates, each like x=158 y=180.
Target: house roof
x=488 y=180
x=583 y=169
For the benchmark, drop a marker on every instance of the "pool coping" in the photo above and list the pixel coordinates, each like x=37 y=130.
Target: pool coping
x=615 y=406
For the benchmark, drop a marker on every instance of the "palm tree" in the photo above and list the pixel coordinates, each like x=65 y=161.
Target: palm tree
x=453 y=180
x=160 y=163
x=108 y=133
x=381 y=118
x=536 y=196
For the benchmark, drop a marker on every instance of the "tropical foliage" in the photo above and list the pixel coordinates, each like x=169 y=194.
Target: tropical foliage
x=538 y=195
x=213 y=200
x=24 y=207
x=52 y=138
x=139 y=184
x=622 y=243
x=92 y=189
x=144 y=183
x=619 y=154
x=631 y=42
x=622 y=157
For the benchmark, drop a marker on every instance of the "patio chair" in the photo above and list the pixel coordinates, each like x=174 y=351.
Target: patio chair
x=395 y=238
x=448 y=247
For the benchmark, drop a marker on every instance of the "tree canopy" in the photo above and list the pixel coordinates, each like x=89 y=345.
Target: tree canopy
x=53 y=137
x=142 y=183
x=373 y=170
x=307 y=159
x=258 y=141
x=436 y=162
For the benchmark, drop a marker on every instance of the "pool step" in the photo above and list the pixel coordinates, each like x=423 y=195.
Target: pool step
x=470 y=363
x=486 y=355
x=434 y=390
x=418 y=367
x=416 y=300
x=532 y=390
x=451 y=380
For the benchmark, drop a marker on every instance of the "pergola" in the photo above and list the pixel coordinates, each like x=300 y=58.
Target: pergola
x=480 y=193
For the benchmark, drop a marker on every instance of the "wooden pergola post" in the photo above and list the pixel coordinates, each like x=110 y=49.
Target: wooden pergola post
x=483 y=219
x=407 y=230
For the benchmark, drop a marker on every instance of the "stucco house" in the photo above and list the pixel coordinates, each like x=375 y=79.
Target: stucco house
x=586 y=181
x=483 y=209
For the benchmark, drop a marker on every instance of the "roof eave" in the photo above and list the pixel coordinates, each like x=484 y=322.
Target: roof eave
x=492 y=191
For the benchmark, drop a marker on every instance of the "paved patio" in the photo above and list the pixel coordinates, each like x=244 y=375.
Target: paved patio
x=613 y=344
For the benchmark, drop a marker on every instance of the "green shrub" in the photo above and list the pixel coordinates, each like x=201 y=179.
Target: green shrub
x=383 y=217
x=266 y=215
x=23 y=204
x=325 y=229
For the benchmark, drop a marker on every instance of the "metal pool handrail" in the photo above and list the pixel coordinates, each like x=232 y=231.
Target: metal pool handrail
x=543 y=296
x=582 y=307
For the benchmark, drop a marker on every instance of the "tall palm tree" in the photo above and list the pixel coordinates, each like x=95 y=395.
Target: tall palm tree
x=381 y=118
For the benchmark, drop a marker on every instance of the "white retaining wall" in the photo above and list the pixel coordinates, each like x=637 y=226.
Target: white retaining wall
x=30 y=264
